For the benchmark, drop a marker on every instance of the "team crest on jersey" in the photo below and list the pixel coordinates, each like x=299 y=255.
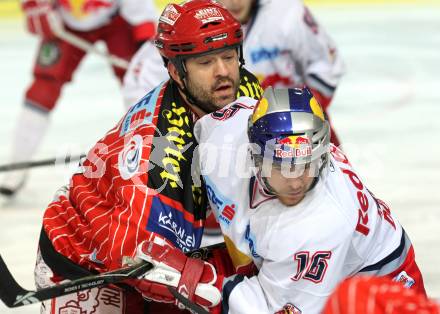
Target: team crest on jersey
x=405 y=279
x=130 y=157
x=49 y=54
x=108 y=300
x=289 y=308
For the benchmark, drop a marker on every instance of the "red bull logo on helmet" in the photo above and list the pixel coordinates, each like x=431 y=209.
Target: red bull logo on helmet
x=293 y=146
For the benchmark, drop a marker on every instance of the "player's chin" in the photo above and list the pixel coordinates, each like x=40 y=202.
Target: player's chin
x=223 y=99
x=290 y=200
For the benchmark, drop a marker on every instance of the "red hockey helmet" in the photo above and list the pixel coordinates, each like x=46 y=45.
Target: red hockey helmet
x=196 y=27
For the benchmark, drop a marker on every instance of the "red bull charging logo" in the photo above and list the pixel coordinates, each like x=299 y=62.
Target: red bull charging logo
x=293 y=146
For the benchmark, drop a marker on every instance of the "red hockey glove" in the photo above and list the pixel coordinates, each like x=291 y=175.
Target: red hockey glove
x=37 y=14
x=377 y=295
x=144 y=31
x=193 y=278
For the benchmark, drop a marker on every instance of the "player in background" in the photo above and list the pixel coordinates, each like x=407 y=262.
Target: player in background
x=284 y=46
x=136 y=183
x=377 y=295
x=122 y=25
x=292 y=204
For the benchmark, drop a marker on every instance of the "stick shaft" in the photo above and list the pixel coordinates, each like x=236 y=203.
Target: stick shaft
x=58 y=29
x=39 y=163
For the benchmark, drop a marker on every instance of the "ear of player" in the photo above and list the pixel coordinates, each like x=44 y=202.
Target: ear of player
x=195 y=279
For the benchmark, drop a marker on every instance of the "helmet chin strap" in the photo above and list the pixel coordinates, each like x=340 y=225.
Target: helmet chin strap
x=263 y=180
x=181 y=70
x=265 y=183
x=190 y=98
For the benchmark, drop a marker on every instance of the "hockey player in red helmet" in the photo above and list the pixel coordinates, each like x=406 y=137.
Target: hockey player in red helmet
x=292 y=54
x=191 y=30
x=140 y=188
x=291 y=51
x=193 y=35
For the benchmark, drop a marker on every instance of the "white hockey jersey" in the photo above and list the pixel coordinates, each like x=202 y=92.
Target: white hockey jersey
x=145 y=71
x=87 y=15
x=302 y=252
x=283 y=46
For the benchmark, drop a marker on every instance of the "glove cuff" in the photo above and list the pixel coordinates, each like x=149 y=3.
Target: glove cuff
x=191 y=274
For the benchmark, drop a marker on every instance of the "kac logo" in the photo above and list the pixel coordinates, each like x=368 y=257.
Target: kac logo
x=130 y=157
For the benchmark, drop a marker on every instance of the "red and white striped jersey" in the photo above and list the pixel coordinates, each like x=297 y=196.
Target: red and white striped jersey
x=135 y=183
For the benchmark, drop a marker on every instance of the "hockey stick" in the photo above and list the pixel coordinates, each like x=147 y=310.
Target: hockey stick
x=39 y=163
x=186 y=302
x=58 y=30
x=13 y=295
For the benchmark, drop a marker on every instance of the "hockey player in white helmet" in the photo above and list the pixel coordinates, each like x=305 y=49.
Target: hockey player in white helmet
x=301 y=214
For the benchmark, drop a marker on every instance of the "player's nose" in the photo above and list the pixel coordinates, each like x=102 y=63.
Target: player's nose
x=295 y=183
x=221 y=68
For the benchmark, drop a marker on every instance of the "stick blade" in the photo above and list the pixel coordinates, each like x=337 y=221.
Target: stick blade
x=9 y=288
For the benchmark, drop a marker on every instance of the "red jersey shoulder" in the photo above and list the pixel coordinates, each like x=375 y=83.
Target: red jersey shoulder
x=144 y=112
